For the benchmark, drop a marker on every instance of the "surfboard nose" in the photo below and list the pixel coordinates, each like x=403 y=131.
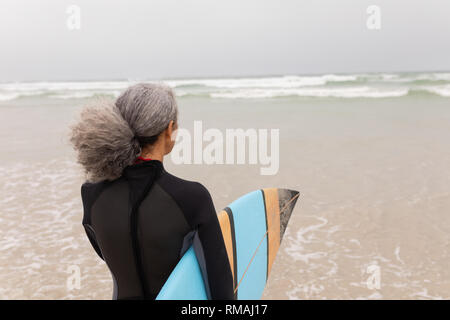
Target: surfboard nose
x=291 y=193
x=287 y=199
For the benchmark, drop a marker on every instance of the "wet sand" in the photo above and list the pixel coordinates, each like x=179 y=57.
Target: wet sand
x=373 y=175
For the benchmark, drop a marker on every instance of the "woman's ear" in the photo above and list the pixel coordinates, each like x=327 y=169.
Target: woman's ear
x=170 y=128
x=170 y=135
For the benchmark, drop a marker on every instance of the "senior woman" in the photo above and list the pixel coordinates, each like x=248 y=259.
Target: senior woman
x=139 y=218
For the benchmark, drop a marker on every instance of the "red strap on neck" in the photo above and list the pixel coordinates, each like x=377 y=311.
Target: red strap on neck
x=144 y=159
x=141 y=159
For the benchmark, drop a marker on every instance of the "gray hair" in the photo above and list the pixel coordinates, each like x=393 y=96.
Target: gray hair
x=109 y=135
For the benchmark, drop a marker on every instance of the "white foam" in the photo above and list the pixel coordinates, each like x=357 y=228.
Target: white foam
x=434 y=76
x=270 y=82
x=374 y=296
x=64 y=86
x=425 y=295
x=352 y=92
x=82 y=95
x=8 y=96
x=405 y=78
x=443 y=90
x=397 y=255
x=61 y=90
x=291 y=81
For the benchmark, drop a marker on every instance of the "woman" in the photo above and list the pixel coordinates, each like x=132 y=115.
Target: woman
x=139 y=218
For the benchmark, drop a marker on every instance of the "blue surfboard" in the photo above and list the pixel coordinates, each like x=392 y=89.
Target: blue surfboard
x=252 y=228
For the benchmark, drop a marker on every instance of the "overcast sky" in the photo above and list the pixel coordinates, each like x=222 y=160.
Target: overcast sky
x=157 y=39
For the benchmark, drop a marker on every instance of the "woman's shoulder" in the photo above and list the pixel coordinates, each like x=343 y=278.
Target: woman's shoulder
x=184 y=188
x=192 y=198
x=90 y=192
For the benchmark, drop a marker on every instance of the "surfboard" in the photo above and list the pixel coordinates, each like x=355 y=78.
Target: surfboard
x=252 y=228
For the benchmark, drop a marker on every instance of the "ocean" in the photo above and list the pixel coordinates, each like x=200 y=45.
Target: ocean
x=379 y=85
x=369 y=154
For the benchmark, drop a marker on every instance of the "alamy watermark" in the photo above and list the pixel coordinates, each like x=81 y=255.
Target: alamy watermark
x=74 y=279
x=234 y=146
x=373 y=282
x=73 y=21
x=374 y=19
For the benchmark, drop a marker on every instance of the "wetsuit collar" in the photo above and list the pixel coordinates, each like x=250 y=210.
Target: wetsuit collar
x=142 y=168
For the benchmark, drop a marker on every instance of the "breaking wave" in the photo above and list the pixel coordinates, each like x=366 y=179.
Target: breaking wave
x=376 y=85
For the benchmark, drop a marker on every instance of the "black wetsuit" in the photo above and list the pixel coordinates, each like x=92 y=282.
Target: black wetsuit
x=141 y=224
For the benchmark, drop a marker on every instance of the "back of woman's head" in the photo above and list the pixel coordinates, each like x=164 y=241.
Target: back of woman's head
x=110 y=134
